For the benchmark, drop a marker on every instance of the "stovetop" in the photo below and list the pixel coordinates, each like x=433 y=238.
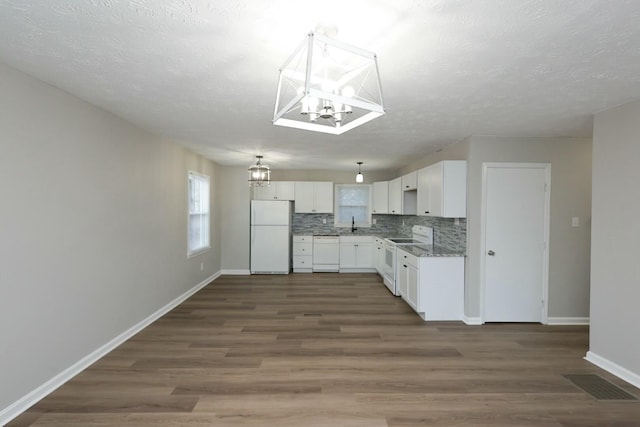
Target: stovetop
x=405 y=241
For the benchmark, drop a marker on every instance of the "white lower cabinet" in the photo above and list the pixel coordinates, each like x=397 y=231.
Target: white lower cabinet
x=378 y=254
x=302 y=254
x=432 y=286
x=356 y=254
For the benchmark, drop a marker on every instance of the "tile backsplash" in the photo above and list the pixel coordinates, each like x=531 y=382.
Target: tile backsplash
x=445 y=231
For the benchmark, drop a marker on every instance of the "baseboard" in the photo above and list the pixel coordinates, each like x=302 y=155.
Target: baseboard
x=472 y=320
x=18 y=407
x=613 y=368
x=237 y=272
x=357 y=270
x=567 y=321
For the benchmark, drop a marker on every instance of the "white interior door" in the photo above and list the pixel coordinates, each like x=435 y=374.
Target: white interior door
x=515 y=232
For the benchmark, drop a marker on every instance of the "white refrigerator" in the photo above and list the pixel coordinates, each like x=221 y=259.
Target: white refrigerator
x=270 y=237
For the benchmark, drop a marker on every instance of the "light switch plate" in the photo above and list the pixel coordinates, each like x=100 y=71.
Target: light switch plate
x=575 y=221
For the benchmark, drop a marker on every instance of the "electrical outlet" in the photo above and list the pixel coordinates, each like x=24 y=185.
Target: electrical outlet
x=374 y=221
x=201 y=266
x=575 y=221
x=324 y=220
x=403 y=223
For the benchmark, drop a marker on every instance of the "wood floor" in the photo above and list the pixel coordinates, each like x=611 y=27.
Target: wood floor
x=331 y=350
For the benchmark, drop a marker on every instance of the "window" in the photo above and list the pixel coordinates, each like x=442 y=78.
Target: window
x=198 y=213
x=353 y=204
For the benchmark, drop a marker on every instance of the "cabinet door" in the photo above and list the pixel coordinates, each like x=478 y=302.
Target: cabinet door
x=364 y=255
x=435 y=189
x=454 y=189
x=285 y=190
x=264 y=193
x=323 y=193
x=402 y=279
x=412 y=286
x=378 y=256
x=380 y=197
x=395 y=196
x=348 y=255
x=423 y=206
x=304 y=197
x=409 y=181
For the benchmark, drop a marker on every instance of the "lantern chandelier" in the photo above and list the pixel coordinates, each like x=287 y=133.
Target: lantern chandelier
x=328 y=86
x=259 y=174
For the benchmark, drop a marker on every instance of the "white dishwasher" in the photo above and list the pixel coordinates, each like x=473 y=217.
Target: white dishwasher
x=326 y=253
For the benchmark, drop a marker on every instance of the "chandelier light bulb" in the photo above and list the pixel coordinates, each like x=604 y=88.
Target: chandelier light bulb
x=359 y=176
x=348 y=92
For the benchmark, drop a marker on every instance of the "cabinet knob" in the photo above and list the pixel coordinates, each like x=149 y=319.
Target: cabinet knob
x=426 y=211
x=404 y=265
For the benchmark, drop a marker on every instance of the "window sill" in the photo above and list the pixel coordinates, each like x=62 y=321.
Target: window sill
x=198 y=252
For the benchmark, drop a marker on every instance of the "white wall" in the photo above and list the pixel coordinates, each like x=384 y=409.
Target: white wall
x=93 y=229
x=615 y=269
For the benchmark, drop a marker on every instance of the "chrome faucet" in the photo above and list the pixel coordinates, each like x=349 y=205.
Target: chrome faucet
x=353 y=224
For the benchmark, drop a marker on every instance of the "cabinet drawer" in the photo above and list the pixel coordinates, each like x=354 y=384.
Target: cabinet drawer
x=355 y=239
x=303 y=249
x=302 y=261
x=303 y=239
x=407 y=258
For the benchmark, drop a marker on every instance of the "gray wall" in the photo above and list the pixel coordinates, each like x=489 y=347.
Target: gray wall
x=339 y=177
x=569 y=247
x=235 y=194
x=615 y=271
x=457 y=151
x=93 y=230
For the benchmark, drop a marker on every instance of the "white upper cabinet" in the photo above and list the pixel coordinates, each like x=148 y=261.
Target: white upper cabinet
x=395 y=196
x=277 y=190
x=442 y=189
x=380 y=197
x=409 y=181
x=313 y=197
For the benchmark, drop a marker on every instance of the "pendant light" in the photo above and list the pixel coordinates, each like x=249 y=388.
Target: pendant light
x=259 y=174
x=359 y=176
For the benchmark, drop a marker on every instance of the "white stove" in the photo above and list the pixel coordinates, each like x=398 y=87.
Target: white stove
x=422 y=235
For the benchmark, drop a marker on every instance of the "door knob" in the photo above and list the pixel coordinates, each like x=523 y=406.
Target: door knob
x=491 y=253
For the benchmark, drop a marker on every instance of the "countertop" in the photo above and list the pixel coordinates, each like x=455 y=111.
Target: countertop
x=431 y=251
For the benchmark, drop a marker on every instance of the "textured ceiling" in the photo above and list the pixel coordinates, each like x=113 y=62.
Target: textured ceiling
x=204 y=73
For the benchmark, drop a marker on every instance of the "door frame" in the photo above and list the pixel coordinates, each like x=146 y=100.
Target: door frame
x=544 y=317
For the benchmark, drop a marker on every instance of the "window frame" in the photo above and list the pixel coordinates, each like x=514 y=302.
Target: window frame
x=336 y=216
x=206 y=221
